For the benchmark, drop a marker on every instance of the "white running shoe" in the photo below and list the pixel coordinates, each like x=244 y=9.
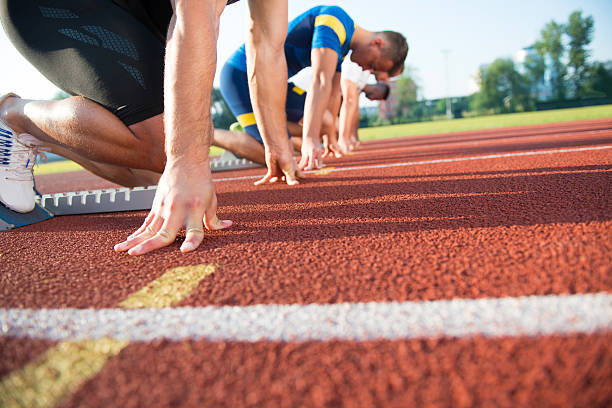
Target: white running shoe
x=18 y=154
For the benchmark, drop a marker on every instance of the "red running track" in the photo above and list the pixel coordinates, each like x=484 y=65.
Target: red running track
x=515 y=225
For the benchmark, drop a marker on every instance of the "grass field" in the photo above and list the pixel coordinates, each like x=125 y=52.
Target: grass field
x=426 y=128
x=486 y=122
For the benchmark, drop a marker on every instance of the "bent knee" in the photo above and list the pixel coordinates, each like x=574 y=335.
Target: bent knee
x=149 y=141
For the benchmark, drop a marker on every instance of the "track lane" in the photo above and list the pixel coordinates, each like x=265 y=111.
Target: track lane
x=487 y=228
x=547 y=371
x=517 y=226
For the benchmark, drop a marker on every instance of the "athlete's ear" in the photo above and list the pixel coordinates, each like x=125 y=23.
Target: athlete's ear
x=378 y=42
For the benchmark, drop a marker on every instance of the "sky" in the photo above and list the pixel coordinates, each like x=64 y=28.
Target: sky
x=473 y=32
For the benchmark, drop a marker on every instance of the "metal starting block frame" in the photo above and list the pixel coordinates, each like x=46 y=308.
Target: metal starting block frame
x=98 y=201
x=228 y=161
x=102 y=201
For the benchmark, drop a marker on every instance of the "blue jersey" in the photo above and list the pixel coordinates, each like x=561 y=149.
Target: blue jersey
x=319 y=27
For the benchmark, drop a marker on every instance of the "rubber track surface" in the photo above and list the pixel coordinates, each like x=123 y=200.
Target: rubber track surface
x=509 y=226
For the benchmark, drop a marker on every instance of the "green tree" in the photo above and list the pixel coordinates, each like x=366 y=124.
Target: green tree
x=461 y=105
x=222 y=116
x=364 y=120
x=580 y=32
x=406 y=91
x=440 y=108
x=535 y=72
x=502 y=88
x=599 y=80
x=551 y=45
x=477 y=103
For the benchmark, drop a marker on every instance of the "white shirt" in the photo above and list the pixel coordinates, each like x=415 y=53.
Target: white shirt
x=350 y=71
x=302 y=79
x=354 y=73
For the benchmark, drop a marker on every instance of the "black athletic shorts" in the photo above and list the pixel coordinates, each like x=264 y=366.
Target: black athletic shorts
x=109 y=51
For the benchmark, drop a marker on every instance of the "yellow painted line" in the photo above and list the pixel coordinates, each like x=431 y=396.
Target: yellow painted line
x=170 y=288
x=51 y=378
x=59 y=372
x=324 y=171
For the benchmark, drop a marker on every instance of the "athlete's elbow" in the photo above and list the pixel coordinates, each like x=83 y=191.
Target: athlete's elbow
x=322 y=80
x=270 y=42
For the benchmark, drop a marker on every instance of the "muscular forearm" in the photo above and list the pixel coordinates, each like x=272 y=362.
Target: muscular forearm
x=355 y=119
x=267 y=69
x=355 y=126
x=316 y=102
x=324 y=62
x=347 y=111
x=335 y=100
x=190 y=59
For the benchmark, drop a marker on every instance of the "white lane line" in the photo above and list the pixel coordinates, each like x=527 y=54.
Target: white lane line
x=493 y=317
x=452 y=160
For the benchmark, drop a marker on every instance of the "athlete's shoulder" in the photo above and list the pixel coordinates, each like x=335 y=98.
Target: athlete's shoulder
x=335 y=11
x=335 y=16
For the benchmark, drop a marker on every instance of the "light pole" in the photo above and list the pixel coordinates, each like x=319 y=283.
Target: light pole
x=449 y=108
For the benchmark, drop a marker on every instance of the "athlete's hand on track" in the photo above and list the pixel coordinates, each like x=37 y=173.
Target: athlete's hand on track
x=331 y=149
x=345 y=146
x=185 y=197
x=281 y=166
x=312 y=153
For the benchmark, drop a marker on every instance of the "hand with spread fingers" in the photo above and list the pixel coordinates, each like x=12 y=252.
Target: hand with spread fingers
x=331 y=148
x=185 y=197
x=345 y=146
x=312 y=155
x=281 y=167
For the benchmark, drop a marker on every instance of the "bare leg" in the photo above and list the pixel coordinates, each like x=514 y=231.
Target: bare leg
x=77 y=124
x=296 y=142
x=355 y=133
x=241 y=144
x=295 y=129
x=117 y=174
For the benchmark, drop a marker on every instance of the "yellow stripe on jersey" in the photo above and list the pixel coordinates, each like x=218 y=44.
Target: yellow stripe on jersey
x=246 y=119
x=298 y=90
x=333 y=23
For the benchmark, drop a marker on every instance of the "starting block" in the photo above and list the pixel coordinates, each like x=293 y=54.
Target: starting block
x=10 y=219
x=228 y=161
x=98 y=201
x=102 y=201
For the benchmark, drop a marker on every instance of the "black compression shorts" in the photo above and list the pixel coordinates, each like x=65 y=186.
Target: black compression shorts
x=109 y=51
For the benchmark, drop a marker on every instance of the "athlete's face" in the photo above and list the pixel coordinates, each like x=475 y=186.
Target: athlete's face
x=375 y=92
x=371 y=57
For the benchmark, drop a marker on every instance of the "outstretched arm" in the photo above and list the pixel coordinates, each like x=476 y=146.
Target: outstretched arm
x=329 y=129
x=185 y=194
x=267 y=72
x=324 y=61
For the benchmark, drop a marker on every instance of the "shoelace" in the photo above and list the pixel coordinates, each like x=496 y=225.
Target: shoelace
x=22 y=152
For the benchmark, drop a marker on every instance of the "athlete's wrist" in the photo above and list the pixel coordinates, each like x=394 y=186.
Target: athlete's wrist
x=189 y=165
x=190 y=141
x=277 y=149
x=192 y=152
